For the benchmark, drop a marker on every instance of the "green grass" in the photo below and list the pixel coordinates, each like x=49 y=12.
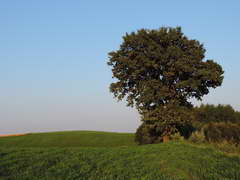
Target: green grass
x=70 y=139
x=110 y=156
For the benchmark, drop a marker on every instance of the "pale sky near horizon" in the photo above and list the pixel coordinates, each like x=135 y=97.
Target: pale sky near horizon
x=53 y=54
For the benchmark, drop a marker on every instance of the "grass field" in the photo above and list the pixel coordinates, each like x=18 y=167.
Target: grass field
x=100 y=155
x=70 y=139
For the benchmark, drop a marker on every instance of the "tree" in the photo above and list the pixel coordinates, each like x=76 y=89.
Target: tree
x=207 y=113
x=159 y=71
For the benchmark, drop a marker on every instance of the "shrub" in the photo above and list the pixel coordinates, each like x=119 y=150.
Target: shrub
x=176 y=137
x=186 y=130
x=197 y=137
x=217 y=132
x=211 y=113
x=146 y=134
x=153 y=133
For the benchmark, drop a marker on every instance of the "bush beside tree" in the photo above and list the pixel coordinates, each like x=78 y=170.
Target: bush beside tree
x=217 y=132
x=218 y=123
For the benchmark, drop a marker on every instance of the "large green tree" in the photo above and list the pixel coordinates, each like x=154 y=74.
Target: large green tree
x=159 y=71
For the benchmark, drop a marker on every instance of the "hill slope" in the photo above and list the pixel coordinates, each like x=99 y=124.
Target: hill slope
x=173 y=160
x=70 y=139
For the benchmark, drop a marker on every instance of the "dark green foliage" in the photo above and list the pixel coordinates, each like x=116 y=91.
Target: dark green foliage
x=162 y=68
x=218 y=123
x=146 y=134
x=164 y=122
x=155 y=67
x=217 y=132
x=210 y=113
x=237 y=115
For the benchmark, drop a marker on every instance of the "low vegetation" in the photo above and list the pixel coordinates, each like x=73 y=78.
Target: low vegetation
x=216 y=124
x=100 y=155
x=70 y=139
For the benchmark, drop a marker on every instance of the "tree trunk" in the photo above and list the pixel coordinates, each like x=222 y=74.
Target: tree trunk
x=165 y=139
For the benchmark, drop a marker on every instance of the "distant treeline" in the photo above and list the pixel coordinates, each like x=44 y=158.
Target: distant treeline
x=218 y=123
x=216 y=113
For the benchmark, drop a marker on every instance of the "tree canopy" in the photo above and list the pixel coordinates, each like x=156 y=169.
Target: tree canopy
x=161 y=69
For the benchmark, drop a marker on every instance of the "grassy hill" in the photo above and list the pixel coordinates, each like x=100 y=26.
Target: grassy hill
x=70 y=139
x=100 y=155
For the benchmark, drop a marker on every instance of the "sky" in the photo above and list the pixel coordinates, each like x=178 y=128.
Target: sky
x=53 y=55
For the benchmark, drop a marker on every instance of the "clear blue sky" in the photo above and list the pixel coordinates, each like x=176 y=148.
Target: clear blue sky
x=53 y=54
